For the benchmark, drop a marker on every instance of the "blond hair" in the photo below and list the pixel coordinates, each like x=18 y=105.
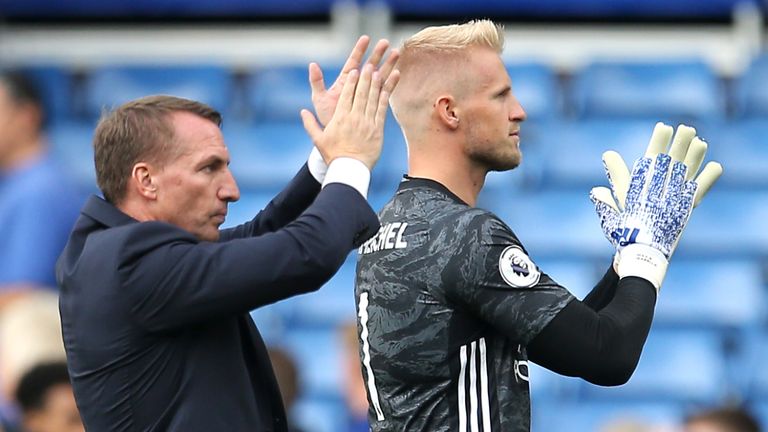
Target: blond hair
x=432 y=61
x=456 y=37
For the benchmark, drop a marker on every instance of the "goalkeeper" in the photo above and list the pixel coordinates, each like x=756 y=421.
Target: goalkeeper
x=450 y=305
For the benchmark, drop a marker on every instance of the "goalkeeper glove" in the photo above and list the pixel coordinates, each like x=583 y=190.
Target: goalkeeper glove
x=658 y=207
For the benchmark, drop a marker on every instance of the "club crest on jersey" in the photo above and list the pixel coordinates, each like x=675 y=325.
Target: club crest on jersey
x=517 y=269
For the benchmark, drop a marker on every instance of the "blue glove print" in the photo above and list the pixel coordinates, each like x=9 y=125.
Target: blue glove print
x=609 y=217
x=657 y=209
x=681 y=193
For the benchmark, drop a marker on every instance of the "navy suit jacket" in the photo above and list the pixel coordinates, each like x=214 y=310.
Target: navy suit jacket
x=156 y=323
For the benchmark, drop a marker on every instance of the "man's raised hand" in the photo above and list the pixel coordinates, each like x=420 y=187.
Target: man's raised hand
x=325 y=100
x=356 y=129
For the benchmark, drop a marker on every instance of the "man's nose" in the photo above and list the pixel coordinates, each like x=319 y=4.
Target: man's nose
x=517 y=113
x=229 y=190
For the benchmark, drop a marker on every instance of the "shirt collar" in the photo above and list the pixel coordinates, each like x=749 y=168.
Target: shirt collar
x=420 y=182
x=104 y=212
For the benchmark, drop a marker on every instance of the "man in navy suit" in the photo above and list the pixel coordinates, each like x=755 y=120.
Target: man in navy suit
x=155 y=300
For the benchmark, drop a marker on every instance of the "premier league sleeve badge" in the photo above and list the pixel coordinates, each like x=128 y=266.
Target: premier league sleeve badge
x=517 y=269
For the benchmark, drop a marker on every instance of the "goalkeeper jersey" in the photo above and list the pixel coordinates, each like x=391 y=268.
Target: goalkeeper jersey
x=447 y=300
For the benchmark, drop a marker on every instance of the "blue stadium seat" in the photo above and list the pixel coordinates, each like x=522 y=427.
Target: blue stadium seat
x=760 y=410
x=536 y=87
x=685 y=366
x=572 y=152
x=72 y=144
x=741 y=147
x=727 y=223
x=716 y=10
x=111 y=86
x=56 y=88
x=249 y=205
x=750 y=92
x=271 y=321
x=749 y=371
x=279 y=92
x=331 y=306
x=712 y=292
x=393 y=162
x=318 y=353
x=671 y=90
x=600 y=416
x=547 y=386
x=509 y=182
x=566 y=9
x=552 y=224
x=578 y=275
x=377 y=199
x=319 y=414
x=267 y=155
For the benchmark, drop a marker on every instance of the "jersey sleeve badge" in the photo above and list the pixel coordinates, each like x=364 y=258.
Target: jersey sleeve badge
x=517 y=269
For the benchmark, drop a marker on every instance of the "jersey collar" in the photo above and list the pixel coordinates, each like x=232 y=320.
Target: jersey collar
x=420 y=182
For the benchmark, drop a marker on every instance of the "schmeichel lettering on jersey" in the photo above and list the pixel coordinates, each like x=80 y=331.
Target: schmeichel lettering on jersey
x=517 y=269
x=390 y=236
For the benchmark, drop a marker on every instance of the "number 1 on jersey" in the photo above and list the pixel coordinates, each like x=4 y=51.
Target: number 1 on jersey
x=371 y=381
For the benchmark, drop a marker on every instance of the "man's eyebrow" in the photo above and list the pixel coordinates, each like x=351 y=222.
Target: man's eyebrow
x=506 y=89
x=213 y=159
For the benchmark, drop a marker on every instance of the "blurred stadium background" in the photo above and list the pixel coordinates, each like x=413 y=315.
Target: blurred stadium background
x=592 y=75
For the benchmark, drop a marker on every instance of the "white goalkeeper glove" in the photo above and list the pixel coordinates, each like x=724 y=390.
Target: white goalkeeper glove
x=644 y=218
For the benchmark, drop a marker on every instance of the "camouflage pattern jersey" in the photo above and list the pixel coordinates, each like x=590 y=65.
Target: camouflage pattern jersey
x=447 y=300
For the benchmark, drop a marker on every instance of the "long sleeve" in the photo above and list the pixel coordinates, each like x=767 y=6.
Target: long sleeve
x=296 y=197
x=174 y=280
x=602 y=346
x=603 y=291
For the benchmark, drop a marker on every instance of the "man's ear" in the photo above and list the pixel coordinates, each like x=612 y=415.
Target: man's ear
x=447 y=111
x=142 y=180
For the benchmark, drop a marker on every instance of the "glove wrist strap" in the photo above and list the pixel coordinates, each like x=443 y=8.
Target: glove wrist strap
x=643 y=261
